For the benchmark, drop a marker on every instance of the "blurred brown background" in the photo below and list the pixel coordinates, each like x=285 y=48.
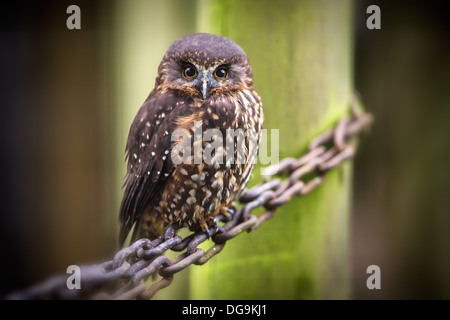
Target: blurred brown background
x=402 y=179
x=63 y=131
x=57 y=128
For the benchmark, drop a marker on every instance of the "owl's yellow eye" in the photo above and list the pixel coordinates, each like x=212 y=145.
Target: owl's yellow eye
x=220 y=72
x=190 y=72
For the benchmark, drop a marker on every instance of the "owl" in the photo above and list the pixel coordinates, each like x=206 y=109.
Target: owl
x=194 y=142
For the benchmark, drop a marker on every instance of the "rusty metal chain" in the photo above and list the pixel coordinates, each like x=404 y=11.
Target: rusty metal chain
x=124 y=276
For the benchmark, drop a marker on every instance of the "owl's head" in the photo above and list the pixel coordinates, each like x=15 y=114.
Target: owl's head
x=201 y=65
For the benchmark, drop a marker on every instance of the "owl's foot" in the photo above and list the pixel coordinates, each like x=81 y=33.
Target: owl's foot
x=228 y=212
x=208 y=222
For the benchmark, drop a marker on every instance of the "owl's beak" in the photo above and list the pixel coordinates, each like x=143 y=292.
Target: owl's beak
x=205 y=86
x=204 y=89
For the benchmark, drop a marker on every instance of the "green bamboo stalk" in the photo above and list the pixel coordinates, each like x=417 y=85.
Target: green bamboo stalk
x=301 y=54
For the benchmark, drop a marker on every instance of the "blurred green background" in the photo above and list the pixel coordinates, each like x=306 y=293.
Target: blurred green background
x=68 y=98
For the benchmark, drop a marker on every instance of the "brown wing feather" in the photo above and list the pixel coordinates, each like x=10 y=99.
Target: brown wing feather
x=148 y=155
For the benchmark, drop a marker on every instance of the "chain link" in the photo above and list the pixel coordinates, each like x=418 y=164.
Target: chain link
x=124 y=276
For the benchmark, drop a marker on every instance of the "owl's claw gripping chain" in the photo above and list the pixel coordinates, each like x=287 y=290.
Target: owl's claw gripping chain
x=204 y=227
x=213 y=223
x=229 y=211
x=206 y=223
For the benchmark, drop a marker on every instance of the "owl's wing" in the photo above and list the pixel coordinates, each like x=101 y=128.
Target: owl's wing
x=148 y=155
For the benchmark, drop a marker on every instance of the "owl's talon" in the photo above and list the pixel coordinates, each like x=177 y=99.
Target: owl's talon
x=232 y=206
x=208 y=222
x=213 y=223
x=205 y=228
x=229 y=211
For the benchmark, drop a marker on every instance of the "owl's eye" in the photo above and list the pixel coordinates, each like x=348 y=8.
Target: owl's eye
x=190 y=72
x=220 y=72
